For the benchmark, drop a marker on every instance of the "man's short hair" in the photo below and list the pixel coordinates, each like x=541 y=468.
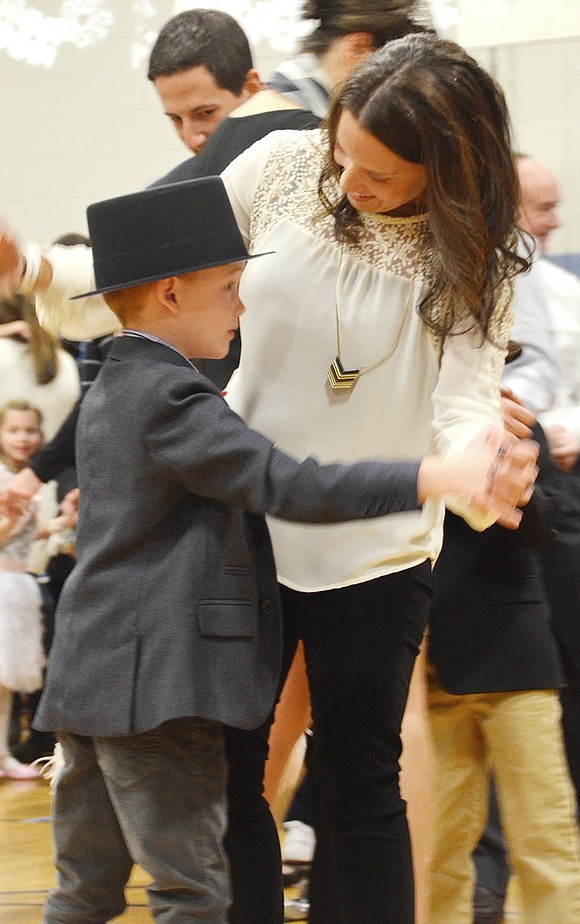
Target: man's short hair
x=203 y=37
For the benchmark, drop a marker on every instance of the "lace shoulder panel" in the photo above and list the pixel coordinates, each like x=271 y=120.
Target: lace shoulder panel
x=501 y=325
x=288 y=190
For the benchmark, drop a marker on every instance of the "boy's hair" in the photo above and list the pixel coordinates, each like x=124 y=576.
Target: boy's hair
x=125 y=303
x=208 y=38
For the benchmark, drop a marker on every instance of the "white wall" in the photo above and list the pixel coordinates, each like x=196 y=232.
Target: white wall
x=85 y=128
x=84 y=123
x=90 y=125
x=504 y=22
x=542 y=84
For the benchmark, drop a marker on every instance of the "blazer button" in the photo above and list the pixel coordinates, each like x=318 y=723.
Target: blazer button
x=268 y=607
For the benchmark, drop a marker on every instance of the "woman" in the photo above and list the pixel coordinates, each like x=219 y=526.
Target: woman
x=380 y=324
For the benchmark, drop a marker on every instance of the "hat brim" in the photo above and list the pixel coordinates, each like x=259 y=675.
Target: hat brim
x=243 y=258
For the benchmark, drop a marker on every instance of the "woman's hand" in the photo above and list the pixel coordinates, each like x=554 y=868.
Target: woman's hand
x=67 y=517
x=517 y=419
x=11 y=263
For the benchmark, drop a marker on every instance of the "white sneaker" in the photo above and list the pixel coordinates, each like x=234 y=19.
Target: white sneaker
x=299 y=841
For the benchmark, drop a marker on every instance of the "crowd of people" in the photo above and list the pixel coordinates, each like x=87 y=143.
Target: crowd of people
x=405 y=353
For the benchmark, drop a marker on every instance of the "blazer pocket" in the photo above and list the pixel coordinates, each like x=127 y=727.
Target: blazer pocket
x=227 y=619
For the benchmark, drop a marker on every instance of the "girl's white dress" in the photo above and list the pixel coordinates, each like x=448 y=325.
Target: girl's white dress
x=22 y=655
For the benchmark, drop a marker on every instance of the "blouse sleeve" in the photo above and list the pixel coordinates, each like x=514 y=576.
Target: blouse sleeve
x=72 y=273
x=466 y=400
x=242 y=177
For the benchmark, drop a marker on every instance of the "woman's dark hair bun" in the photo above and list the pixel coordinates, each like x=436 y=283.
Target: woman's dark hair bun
x=331 y=11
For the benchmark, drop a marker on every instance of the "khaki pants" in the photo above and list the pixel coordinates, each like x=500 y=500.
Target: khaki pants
x=519 y=736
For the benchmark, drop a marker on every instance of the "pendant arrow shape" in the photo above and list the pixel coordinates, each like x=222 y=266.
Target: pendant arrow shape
x=341 y=379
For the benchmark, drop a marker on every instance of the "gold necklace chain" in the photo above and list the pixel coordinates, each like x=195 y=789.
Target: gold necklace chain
x=343 y=380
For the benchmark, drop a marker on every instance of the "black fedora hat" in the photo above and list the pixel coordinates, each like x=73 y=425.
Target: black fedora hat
x=163 y=231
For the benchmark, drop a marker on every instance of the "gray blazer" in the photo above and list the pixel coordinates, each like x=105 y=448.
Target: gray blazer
x=172 y=608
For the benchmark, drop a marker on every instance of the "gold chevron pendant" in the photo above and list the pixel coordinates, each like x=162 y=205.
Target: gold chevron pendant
x=341 y=379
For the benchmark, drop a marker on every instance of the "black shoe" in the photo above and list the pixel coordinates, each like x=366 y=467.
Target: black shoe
x=38 y=744
x=487 y=906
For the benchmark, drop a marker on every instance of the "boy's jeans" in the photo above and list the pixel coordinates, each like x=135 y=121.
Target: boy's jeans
x=156 y=799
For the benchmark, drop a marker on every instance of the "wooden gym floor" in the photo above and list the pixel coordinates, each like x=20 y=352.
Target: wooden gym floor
x=26 y=869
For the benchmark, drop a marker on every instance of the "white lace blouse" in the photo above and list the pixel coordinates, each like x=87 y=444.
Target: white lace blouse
x=402 y=406
x=406 y=400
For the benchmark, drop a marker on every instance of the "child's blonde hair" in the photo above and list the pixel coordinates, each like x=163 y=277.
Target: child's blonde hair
x=18 y=404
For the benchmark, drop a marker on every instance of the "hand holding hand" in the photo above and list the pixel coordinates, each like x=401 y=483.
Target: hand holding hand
x=497 y=475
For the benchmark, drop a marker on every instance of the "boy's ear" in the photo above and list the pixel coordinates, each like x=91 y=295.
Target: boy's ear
x=166 y=294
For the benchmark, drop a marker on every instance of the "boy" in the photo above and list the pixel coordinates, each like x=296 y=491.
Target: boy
x=493 y=700
x=169 y=626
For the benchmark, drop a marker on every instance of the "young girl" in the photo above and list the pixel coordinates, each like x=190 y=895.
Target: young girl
x=21 y=651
